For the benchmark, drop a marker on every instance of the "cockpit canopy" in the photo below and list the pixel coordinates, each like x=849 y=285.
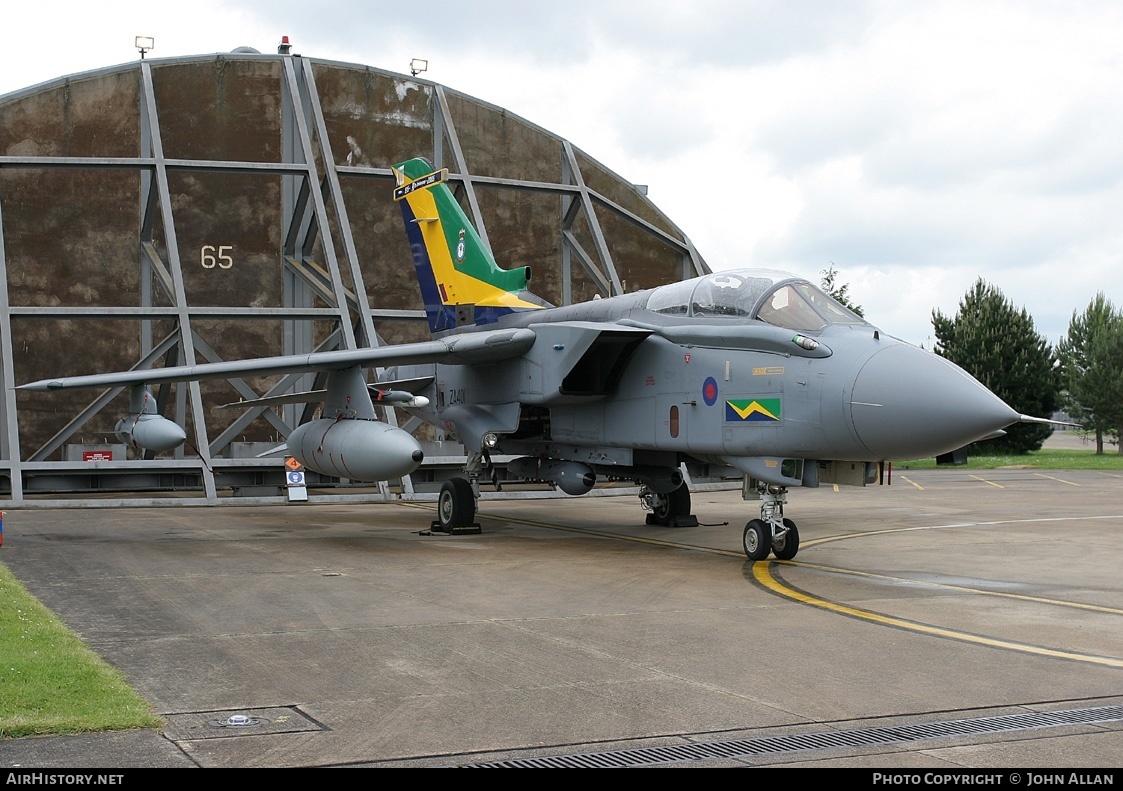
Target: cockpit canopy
x=779 y=298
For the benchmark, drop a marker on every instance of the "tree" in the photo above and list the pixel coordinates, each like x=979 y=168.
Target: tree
x=839 y=292
x=999 y=346
x=1091 y=359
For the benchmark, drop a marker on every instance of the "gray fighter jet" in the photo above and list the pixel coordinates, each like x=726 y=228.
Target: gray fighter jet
x=751 y=372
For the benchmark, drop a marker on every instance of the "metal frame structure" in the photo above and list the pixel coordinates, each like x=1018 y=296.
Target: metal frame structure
x=311 y=182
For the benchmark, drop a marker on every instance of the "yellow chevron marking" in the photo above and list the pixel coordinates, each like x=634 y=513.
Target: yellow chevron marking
x=750 y=409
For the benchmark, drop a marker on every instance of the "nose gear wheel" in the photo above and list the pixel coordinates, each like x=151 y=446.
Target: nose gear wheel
x=772 y=533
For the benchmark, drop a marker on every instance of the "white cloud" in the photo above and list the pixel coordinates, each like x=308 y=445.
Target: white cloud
x=917 y=145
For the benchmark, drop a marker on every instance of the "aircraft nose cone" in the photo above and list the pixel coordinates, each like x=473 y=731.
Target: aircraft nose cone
x=911 y=404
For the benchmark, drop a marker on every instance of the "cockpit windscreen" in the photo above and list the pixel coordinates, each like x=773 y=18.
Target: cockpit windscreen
x=778 y=298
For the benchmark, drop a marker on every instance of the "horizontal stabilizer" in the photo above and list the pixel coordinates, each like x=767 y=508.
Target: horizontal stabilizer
x=379 y=395
x=415 y=385
x=312 y=396
x=282 y=448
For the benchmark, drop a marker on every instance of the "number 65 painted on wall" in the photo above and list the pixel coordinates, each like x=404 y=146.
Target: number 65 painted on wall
x=223 y=259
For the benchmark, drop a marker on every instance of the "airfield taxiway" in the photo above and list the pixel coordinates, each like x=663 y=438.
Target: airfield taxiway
x=953 y=619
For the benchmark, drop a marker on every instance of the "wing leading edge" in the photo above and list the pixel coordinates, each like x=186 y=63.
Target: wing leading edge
x=467 y=349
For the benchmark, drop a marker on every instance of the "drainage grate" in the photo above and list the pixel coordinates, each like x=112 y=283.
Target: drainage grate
x=744 y=748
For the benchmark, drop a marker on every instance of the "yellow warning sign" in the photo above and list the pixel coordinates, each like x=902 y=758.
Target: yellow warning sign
x=293 y=464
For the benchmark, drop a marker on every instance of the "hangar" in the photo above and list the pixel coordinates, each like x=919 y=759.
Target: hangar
x=197 y=209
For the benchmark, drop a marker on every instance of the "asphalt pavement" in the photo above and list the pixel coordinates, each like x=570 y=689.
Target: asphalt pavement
x=951 y=620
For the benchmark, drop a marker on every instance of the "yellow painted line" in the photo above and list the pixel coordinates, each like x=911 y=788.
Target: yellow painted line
x=997 y=522
x=1050 y=477
x=959 y=588
x=914 y=483
x=984 y=480
x=763 y=575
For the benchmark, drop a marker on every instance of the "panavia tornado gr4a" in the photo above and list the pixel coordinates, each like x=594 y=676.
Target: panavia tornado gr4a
x=754 y=371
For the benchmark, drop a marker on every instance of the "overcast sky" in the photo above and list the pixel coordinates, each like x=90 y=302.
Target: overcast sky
x=917 y=146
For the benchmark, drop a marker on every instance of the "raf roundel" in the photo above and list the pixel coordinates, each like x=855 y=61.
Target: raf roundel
x=709 y=391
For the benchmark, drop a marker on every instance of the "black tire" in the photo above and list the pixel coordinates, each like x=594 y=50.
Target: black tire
x=672 y=505
x=786 y=547
x=456 y=505
x=757 y=540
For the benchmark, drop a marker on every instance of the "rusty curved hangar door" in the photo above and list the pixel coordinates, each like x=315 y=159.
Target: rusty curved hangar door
x=199 y=209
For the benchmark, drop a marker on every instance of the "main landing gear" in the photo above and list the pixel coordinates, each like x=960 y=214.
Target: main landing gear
x=456 y=504
x=772 y=532
x=668 y=510
x=456 y=507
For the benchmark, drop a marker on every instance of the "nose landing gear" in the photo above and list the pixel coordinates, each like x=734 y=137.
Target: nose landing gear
x=772 y=532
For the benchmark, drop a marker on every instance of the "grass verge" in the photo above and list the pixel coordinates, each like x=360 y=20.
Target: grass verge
x=50 y=682
x=1044 y=459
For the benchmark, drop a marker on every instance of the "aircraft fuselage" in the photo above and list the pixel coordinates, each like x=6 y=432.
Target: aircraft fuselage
x=611 y=380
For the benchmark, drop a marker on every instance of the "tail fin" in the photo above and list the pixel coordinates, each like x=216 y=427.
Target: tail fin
x=460 y=281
